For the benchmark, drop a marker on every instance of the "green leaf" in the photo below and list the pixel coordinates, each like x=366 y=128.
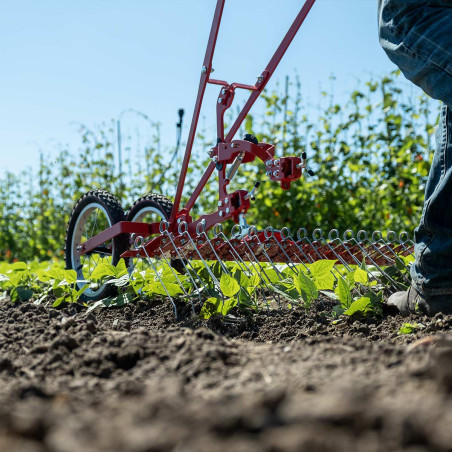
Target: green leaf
x=228 y=305
x=361 y=276
x=24 y=293
x=103 y=270
x=409 y=328
x=58 y=301
x=344 y=294
x=121 y=268
x=362 y=305
x=321 y=272
x=306 y=286
x=156 y=288
x=210 y=307
x=228 y=285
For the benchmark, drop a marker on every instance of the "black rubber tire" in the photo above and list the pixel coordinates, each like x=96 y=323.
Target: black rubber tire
x=111 y=205
x=151 y=200
x=165 y=206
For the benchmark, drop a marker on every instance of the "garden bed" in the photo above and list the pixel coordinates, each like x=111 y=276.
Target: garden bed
x=134 y=379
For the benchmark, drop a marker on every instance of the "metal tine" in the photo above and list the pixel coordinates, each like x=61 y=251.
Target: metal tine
x=408 y=240
x=182 y=229
x=317 y=235
x=139 y=245
x=269 y=234
x=252 y=232
x=402 y=242
x=285 y=235
x=333 y=236
x=306 y=238
x=201 y=231
x=378 y=234
x=164 y=230
x=218 y=231
x=378 y=250
x=178 y=280
x=250 y=253
x=358 y=241
x=348 y=236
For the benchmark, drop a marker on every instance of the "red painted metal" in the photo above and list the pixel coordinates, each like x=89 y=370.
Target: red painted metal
x=123 y=227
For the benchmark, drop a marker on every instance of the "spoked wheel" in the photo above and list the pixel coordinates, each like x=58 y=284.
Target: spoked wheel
x=152 y=208
x=96 y=211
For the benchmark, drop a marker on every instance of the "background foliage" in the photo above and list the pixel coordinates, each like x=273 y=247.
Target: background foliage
x=371 y=157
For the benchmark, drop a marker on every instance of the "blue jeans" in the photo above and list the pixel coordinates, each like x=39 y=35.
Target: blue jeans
x=417 y=37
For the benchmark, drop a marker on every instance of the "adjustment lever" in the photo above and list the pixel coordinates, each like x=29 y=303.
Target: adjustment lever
x=251 y=194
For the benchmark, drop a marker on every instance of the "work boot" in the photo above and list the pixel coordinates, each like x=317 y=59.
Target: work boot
x=412 y=302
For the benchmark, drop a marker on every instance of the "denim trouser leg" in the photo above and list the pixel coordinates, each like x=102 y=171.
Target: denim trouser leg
x=432 y=271
x=417 y=36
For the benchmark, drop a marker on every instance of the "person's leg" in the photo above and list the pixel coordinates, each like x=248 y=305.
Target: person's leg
x=417 y=36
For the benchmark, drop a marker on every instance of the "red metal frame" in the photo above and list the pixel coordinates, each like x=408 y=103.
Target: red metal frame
x=284 y=170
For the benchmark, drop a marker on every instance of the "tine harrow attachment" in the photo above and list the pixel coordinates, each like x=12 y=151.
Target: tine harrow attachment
x=196 y=258
x=272 y=256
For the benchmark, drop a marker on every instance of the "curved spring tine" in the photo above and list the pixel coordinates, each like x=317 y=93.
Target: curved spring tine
x=183 y=259
x=223 y=266
x=178 y=280
x=262 y=270
x=402 y=242
x=306 y=238
x=290 y=264
x=393 y=283
x=332 y=239
x=349 y=236
x=289 y=237
x=206 y=265
x=279 y=274
x=158 y=275
x=241 y=261
x=377 y=237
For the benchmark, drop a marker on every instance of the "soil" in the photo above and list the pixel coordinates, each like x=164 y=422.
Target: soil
x=135 y=379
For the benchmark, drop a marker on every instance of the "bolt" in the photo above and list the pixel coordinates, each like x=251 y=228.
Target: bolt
x=178 y=220
x=164 y=241
x=223 y=91
x=220 y=203
x=277 y=162
x=234 y=145
x=79 y=248
x=217 y=243
x=260 y=78
x=215 y=159
x=269 y=163
x=220 y=100
x=269 y=173
x=226 y=200
x=182 y=242
x=275 y=173
x=220 y=213
x=227 y=209
x=204 y=70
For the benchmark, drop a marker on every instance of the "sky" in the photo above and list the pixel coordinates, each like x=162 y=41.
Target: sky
x=65 y=63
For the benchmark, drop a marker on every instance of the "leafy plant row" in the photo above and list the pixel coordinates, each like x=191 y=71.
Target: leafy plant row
x=217 y=290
